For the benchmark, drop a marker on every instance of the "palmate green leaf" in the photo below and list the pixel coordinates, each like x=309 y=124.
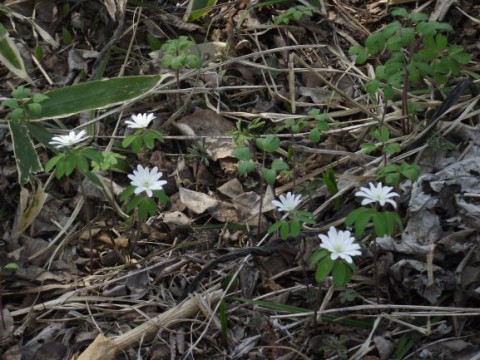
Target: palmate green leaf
x=410 y=171
x=360 y=218
x=10 y=56
x=26 y=157
x=101 y=94
x=146 y=208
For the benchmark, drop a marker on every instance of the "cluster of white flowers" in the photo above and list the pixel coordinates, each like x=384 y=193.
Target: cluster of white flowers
x=143 y=179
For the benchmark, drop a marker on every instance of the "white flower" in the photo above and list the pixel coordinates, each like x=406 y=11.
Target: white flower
x=68 y=140
x=145 y=180
x=379 y=193
x=287 y=203
x=340 y=244
x=140 y=121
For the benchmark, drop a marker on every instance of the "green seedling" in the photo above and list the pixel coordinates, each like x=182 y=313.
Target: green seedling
x=294 y=13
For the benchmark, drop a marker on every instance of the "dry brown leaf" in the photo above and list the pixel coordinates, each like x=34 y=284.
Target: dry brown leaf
x=196 y=201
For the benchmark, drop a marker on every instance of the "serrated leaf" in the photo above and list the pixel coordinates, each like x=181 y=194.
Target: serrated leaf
x=26 y=157
x=392 y=148
x=245 y=167
x=269 y=175
x=279 y=165
x=402 y=12
x=269 y=144
x=242 y=153
x=375 y=43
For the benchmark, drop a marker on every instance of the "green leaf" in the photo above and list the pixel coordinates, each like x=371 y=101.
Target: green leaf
x=314 y=136
x=10 y=56
x=242 y=153
x=440 y=42
x=147 y=208
x=53 y=161
x=402 y=12
x=17 y=114
x=10 y=103
x=274 y=227
x=21 y=92
x=284 y=230
x=416 y=17
x=410 y=171
x=279 y=165
x=67 y=36
x=101 y=94
x=38 y=98
x=375 y=43
x=360 y=217
x=380 y=224
x=245 y=167
x=392 y=148
x=318 y=255
x=295 y=228
x=35 y=108
x=269 y=144
x=127 y=193
x=323 y=268
x=25 y=155
x=341 y=273
x=360 y=53
x=372 y=87
x=269 y=175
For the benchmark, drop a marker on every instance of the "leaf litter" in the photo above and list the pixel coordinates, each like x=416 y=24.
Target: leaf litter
x=106 y=286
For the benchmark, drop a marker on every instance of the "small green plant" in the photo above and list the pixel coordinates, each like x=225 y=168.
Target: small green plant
x=393 y=173
x=291 y=223
x=295 y=13
x=335 y=346
x=109 y=161
x=180 y=53
x=198 y=151
x=22 y=103
x=335 y=257
x=142 y=135
x=412 y=47
x=381 y=134
x=72 y=158
x=144 y=180
x=243 y=135
x=383 y=221
x=321 y=125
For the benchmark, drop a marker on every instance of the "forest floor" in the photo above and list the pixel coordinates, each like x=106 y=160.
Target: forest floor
x=201 y=277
